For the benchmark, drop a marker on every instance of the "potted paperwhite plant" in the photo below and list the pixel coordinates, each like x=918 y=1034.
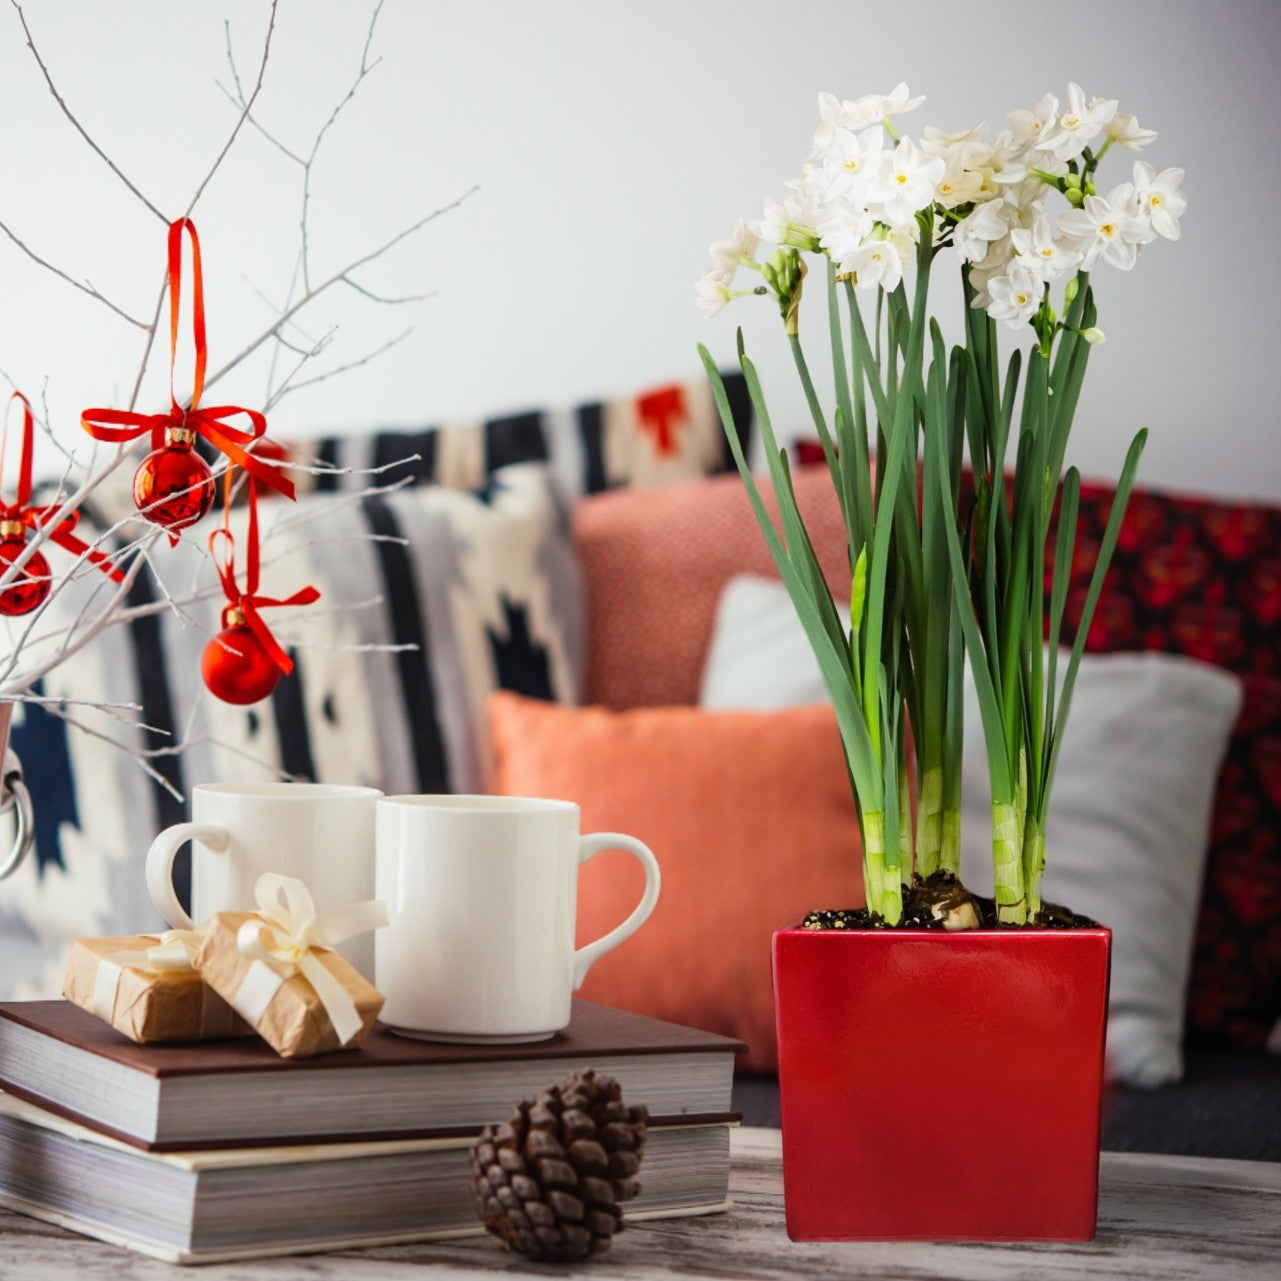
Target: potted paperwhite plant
x=951 y=1042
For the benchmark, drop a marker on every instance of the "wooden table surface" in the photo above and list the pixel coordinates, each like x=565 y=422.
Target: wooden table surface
x=1159 y=1217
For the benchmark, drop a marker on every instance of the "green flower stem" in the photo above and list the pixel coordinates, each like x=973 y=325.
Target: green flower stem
x=950 y=841
x=1033 y=864
x=904 y=818
x=1007 y=865
x=929 y=814
x=883 y=898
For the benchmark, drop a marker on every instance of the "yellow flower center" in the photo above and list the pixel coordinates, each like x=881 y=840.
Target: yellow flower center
x=1071 y=122
x=901 y=179
x=1021 y=299
x=1108 y=229
x=851 y=165
x=1156 y=199
x=1047 y=251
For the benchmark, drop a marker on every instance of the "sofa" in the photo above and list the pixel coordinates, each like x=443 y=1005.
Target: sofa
x=532 y=605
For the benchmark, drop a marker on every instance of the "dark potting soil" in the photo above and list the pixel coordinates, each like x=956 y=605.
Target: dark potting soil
x=921 y=901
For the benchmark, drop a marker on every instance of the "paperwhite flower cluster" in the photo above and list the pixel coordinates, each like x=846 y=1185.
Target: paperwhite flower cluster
x=866 y=195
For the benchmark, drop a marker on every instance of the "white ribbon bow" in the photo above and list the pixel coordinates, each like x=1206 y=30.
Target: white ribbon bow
x=283 y=940
x=173 y=950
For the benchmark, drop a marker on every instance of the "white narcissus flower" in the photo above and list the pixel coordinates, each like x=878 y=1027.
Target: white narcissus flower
x=1105 y=228
x=1125 y=132
x=907 y=182
x=873 y=108
x=1040 y=253
x=877 y=262
x=1015 y=296
x=959 y=185
x=842 y=227
x=1077 y=125
x=905 y=239
x=1027 y=127
x=772 y=225
x=853 y=162
x=830 y=119
x=976 y=232
x=968 y=146
x=1158 y=198
x=711 y=293
x=729 y=255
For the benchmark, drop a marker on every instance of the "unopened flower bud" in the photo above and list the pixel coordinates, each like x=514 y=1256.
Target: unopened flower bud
x=1071 y=181
x=1074 y=196
x=1094 y=335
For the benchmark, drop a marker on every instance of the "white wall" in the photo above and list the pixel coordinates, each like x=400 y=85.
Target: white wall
x=611 y=142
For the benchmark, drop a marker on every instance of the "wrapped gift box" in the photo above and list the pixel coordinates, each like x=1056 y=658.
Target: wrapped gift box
x=278 y=998
x=138 y=984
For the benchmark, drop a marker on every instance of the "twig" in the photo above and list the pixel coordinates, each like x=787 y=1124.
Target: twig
x=338 y=276
x=289 y=385
x=244 y=115
x=82 y=285
x=74 y=122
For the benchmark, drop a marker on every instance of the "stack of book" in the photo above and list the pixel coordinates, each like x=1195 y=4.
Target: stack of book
x=223 y=1150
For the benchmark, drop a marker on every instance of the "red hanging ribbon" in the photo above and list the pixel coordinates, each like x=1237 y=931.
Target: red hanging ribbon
x=120 y=425
x=249 y=602
x=40 y=517
x=661 y=412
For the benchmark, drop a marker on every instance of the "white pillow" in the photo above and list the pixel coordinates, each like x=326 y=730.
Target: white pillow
x=1129 y=815
x=760 y=658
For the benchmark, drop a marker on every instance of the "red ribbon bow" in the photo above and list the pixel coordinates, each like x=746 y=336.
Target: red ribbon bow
x=120 y=425
x=249 y=602
x=39 y=517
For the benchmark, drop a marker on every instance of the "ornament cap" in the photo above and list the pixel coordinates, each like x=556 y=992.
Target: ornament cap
x=13 y=529
x=180 y=436
x=233 y=616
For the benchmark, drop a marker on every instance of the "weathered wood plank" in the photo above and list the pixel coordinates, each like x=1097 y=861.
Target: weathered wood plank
x=1160 y=1217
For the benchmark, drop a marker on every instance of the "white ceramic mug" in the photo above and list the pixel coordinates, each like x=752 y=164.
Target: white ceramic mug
x=481 y=895
x=321 y=833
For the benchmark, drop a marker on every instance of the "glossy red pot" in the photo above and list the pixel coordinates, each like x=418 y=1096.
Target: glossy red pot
x=941 y=1086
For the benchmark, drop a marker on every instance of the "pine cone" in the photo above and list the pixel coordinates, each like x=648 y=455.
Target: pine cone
x=549 y=1182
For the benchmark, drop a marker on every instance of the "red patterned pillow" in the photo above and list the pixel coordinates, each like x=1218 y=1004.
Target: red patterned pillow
x=1192 y=576
x=1202 y=577
x=1234 y=992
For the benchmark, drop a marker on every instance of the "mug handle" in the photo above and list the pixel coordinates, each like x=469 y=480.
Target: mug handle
x=589 y=847
x=160 y=866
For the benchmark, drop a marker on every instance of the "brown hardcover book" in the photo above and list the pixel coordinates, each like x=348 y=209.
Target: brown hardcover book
x=241 y=1093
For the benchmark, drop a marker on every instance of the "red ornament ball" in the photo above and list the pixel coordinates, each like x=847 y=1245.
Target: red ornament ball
x=32 y=586
x=173 y=486
x=236 y=668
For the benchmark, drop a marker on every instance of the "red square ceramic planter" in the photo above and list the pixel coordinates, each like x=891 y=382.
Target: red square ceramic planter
x=941 y=1086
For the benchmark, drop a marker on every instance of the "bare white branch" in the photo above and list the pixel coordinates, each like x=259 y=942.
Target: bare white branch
x=72 y=618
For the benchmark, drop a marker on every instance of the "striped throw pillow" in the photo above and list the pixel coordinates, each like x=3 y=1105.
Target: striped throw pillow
x=664 y=434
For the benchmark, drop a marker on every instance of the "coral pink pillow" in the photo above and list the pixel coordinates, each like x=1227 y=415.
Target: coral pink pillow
x=654 y=562
x=752 y=822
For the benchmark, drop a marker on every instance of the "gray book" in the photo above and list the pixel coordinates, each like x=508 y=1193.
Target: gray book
x=204 y=1206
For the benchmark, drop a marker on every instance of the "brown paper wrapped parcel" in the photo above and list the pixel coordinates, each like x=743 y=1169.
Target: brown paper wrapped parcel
x=146 y=987
x=277 y=969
